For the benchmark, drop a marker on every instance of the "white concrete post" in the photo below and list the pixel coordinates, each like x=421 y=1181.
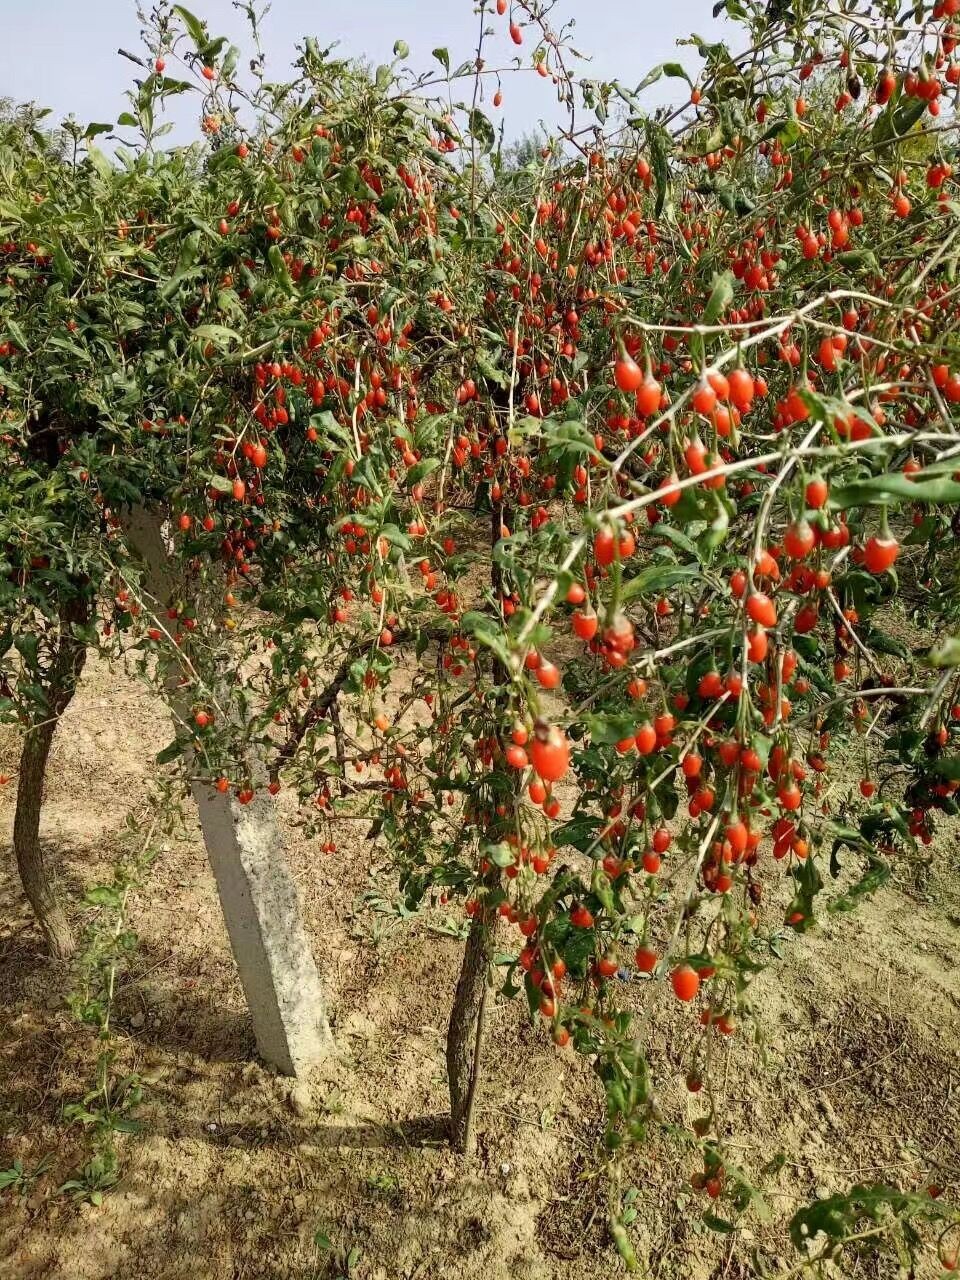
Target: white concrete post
x=257 y=893
x=261 y=908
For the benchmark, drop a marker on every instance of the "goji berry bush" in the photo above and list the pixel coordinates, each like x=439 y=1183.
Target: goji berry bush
x=552 y=515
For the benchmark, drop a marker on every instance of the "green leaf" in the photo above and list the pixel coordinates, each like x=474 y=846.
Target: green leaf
x=721 y=295
x=229 y=63
x=168 y=87
x=895 y=488
x=947 y=767
x=443 y=57
x=486 y=632
x=883 y=642
x=787 y=130
x=897 y=119
x=605 y=730
x=624 y=1245
x=189 y=249
x=194 y=26
x=678 y=538
x=277 y=264
x=27 y=645
x=705 y=143
x=16 y=333
x=218 y=334
x=501 y=855
x=401 y=49
x=809 y=884
x=734 y=201
x=580 y=832
x=62 y=264
x=657 y=578
x=562 y=437
x=650 y=78
x=482 y=130
x=874 y=878
x=420 y=470
x=838 y=1216
x=843 y=836
x=124 y=1124
x=92 y=130
x=396 y=537
x=661 y=169
x=325 y=423
x=490 y=371
x=858 y=259
x=102 y=896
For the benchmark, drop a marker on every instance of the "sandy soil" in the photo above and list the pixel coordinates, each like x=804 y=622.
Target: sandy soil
x=237 y=1176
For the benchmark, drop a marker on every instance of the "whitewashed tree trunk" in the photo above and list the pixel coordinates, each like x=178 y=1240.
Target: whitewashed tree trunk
x=257 y=893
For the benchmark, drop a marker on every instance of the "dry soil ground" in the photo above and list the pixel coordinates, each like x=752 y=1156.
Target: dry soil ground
x=235 y=1178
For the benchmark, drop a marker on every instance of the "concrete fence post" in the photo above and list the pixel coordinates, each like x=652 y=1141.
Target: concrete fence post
x=257 y=893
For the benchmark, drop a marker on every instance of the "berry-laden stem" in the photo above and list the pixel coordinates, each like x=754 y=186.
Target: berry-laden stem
x=39 y=884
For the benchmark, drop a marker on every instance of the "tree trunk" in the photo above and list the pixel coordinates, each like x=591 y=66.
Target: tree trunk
x=468 y=1016
x=36 y=874
x=465 y=1033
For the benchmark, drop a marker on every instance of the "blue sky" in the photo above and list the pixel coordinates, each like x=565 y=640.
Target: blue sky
x=63 y=53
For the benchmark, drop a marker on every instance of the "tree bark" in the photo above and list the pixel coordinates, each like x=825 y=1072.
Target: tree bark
x=465 y=1033
x=467 y=1018
x=36 y=873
